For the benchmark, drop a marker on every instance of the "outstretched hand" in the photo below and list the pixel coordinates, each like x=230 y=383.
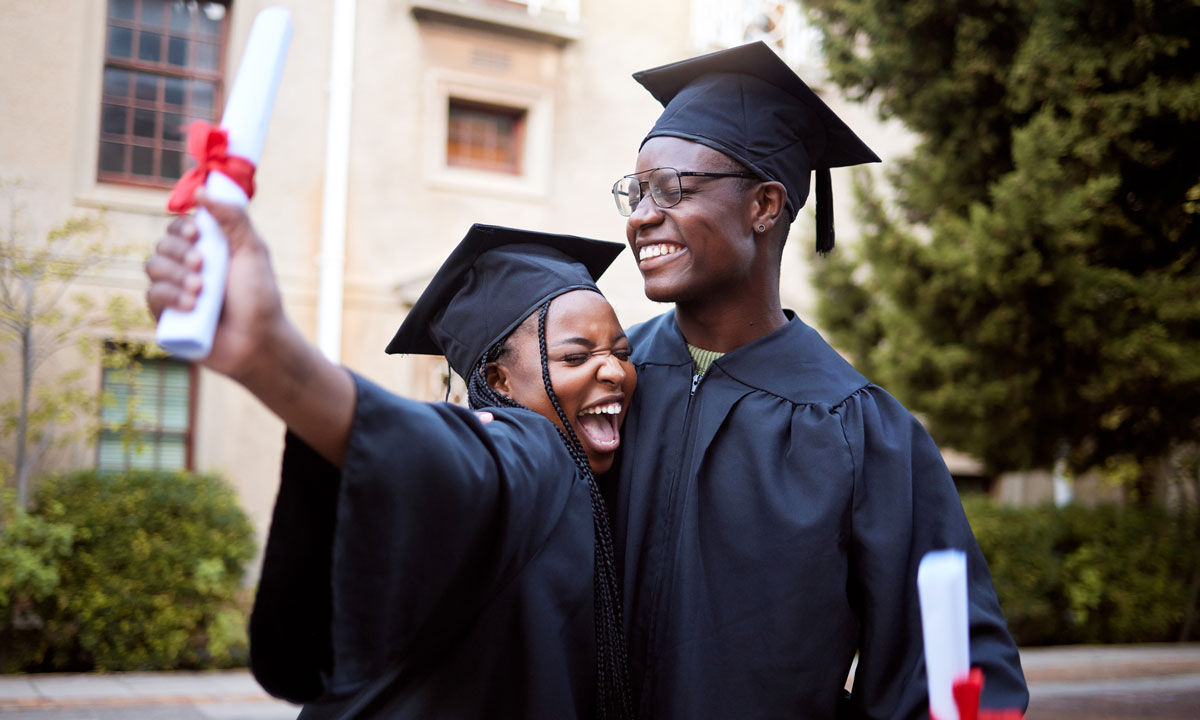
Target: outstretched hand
x=252 y=313
x=254 y=343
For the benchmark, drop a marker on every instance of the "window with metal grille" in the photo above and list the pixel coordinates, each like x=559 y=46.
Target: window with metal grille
x=146 y=419
x=485 y=137
x=162 y=70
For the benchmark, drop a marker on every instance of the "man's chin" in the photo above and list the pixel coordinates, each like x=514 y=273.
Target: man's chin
x=661 y=292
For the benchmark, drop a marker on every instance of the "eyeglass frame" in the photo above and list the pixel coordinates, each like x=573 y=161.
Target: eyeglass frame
x=678 y=183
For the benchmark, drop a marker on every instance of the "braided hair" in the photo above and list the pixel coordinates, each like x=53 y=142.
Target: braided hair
x=613 y=698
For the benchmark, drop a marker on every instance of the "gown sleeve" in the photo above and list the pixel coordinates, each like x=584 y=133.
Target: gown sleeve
x=391 y=558
x=905 y=504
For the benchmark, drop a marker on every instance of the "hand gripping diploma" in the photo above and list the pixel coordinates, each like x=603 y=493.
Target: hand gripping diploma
x=226 y=157
x=254 y=343
x=954 y=686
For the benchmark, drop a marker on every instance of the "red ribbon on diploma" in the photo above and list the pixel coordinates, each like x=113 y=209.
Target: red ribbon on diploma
x=966 y=697
x=209 y=145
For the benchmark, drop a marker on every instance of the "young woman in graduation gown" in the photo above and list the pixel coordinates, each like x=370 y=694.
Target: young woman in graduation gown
x=420 y=563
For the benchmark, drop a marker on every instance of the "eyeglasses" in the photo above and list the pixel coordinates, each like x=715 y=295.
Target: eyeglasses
x=665 y=187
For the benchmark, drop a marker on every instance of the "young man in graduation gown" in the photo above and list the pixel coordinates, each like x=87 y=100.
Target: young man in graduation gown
x=772 y=504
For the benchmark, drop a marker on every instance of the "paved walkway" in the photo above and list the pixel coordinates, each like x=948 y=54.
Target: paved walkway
x=1113 y=682
x=230 y=695
x=1130 y=681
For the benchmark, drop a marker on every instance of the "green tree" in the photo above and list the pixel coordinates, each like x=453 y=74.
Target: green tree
x=42 y=312
x=1033 y=287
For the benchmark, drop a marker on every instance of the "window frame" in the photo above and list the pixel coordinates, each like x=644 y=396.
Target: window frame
x=161 y=69
x=532 y=180
x=152 y=435
x=520 y=119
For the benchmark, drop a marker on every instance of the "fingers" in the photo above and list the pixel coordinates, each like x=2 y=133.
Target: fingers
x=484 y=416
x=174 y=268
x=179 y=248
x=234 y=222
x=184 y=226
x=170 y=292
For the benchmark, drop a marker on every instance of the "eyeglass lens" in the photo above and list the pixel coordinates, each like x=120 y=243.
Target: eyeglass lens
x=664 y=188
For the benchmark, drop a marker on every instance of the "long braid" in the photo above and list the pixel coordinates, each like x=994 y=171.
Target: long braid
x=612 y=669
x=613 y=698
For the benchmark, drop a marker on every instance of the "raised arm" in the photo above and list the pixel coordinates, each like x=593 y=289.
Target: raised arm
x=255 y=344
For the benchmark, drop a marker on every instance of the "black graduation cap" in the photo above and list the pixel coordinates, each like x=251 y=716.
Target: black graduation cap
x=490 y=283
x=747 y=103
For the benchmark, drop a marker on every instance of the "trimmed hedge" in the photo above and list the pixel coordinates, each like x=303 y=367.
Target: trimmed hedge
x=1090 y=575
x=152 y=580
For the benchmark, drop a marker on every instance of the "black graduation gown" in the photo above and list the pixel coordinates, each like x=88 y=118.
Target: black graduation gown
x=770 y=524
x=446 y=572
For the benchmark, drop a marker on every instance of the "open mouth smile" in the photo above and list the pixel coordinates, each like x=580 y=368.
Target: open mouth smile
x=599 y=425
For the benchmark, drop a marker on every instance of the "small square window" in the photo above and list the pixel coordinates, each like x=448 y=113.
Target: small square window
x=485 y=137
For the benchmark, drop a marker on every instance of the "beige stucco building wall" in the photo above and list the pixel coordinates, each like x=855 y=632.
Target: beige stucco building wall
x=405 y=208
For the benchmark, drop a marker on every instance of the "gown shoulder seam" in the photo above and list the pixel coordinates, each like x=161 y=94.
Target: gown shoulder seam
x=836 y=407
x=832 y=407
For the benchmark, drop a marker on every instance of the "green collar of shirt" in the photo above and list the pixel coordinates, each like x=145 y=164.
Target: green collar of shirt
x=702 y=358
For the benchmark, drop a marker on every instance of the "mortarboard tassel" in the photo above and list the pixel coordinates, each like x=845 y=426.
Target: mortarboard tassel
x=824 y=211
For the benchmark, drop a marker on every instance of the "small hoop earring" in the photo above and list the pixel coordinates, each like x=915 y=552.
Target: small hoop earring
x=762 y=228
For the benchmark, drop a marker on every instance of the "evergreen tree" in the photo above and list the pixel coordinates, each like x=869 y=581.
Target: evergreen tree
x=1033 y=288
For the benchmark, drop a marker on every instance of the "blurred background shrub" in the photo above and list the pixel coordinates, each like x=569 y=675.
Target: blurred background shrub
x=140 y=571
x=143 y=571
x=1104 y=574
x=31 y=552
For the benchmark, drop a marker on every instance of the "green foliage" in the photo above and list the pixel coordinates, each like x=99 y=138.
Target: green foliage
x=1089 y=575
x=31 y=552
x=1034 y=290
x=153 y=577
x=43 y=312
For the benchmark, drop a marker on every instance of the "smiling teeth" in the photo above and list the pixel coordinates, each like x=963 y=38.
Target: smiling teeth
x=610 y=409
x=651 y=251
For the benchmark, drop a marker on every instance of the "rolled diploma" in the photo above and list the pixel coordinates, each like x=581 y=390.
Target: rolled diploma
x=942 y=588
x=189 y=335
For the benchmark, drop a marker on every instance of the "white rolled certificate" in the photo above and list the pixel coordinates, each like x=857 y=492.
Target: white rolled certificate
x=942 y=588
x=189 y=335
